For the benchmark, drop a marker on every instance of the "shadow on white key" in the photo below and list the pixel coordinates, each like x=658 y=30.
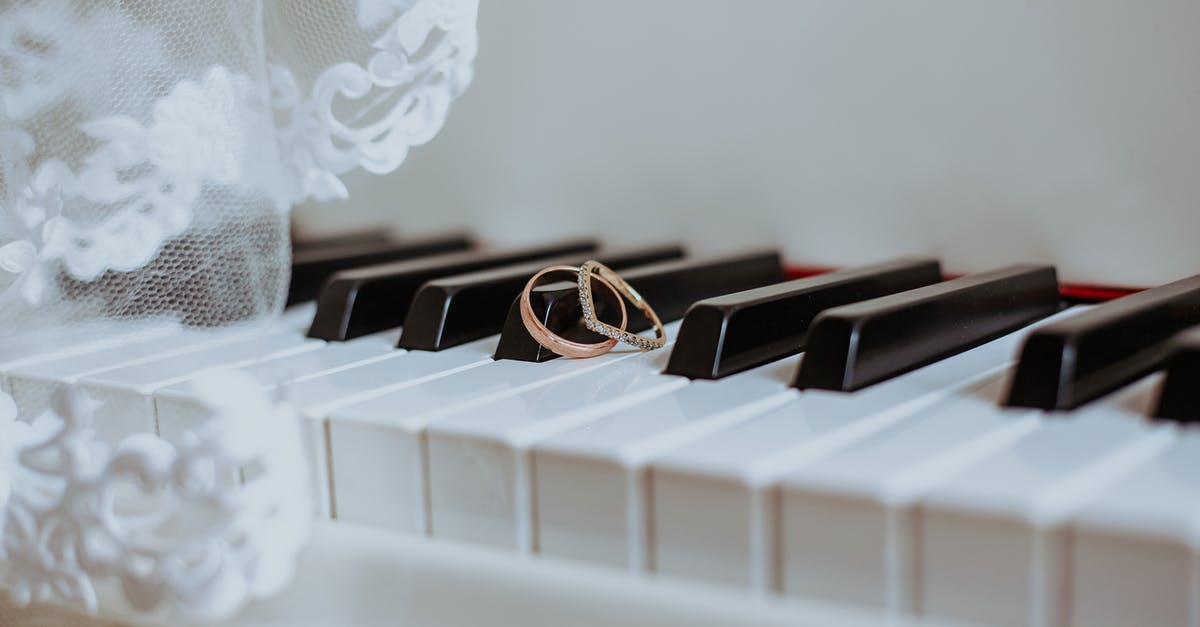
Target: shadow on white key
x=1134 y=549
x=125 y=395
x=378 y=447
x=590 y=481
x=992 y=539
x=711 y=516
x=846 y=523
x=479 y=474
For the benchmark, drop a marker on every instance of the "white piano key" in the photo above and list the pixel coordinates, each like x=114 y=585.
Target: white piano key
x=33 y=382
x=1135 y=549
x=378 y=446
x=317 y=396
x=846 y=523
x=479 y=472
x=590 y=481
x=114 y=339
x=297 y=317
x=330 y=356
x=77 y=339
x=711 y=516
x=1008 y=513
x=179 y=409
x=125 y=395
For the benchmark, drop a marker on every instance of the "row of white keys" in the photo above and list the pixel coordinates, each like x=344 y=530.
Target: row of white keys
x=991 y=540
x=377 y=447
x=33 y=383
x=1135 y=549
x=845 y=524
x=479 y=472
x=58 y=344
x=316 y=397
x=712 y=516
x=32 y=378
x=150 y=353
x=590 y=481
x=144 y=385
x=179 y=409
x=124 y=395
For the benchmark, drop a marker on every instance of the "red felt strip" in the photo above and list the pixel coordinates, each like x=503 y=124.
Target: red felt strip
x=1074 y=292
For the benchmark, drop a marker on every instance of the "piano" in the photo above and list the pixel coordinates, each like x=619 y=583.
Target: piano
x=933 y=332
x=867 y=443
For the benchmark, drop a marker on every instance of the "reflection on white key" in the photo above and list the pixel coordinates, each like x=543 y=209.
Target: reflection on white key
x=479 y=469
x=711 y=513
x=125 y=395
x=178 y=409
x=846 y=524
x=378 y=446
x=1134 y=549
x=591 y=481
x=992 y=540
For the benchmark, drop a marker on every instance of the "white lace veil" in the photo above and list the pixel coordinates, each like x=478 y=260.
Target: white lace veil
x=150 y=152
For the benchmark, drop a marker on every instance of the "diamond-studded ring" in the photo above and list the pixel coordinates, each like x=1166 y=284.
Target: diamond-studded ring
x=596 y=270
x=554 y=342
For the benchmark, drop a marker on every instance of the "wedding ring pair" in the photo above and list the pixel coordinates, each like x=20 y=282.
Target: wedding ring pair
x=583 y=276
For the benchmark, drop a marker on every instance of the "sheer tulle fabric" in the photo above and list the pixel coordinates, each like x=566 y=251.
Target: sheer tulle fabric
x=150 y=152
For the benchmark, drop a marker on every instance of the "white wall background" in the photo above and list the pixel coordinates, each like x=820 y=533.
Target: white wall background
x=844 y=131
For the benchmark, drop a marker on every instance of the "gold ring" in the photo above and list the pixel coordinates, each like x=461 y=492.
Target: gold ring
x=556 y=343
x=595 y=269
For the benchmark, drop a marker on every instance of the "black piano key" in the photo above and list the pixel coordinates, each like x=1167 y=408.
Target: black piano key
x=729 y=334
x=1072 y=361
x=454 y=310
x=357 y=302
x=670 y=288
x=313 y=264
x=853 y=346
x=1179 y=398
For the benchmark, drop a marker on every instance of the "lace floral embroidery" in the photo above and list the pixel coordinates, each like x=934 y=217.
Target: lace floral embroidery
x=146 y=179
x=171 y=524
x=20 y=259
x=136 y=138
x=423 y=61
x=194 y=138
x=149 y=178
x=31 y=49
x=13 y=435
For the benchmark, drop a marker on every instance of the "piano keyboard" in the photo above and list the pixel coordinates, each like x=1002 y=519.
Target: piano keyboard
x=907 y=462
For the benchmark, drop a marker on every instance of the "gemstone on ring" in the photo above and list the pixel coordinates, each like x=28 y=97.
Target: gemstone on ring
x=612 y=279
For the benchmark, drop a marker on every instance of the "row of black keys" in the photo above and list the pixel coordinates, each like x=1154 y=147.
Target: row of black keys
x=858 y=326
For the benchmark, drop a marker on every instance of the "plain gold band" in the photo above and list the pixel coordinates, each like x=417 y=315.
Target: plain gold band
x=554 y=342
x=595 y=270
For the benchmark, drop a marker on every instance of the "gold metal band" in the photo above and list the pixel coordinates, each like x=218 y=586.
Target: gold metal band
x=554 y=342
x=595 y=269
